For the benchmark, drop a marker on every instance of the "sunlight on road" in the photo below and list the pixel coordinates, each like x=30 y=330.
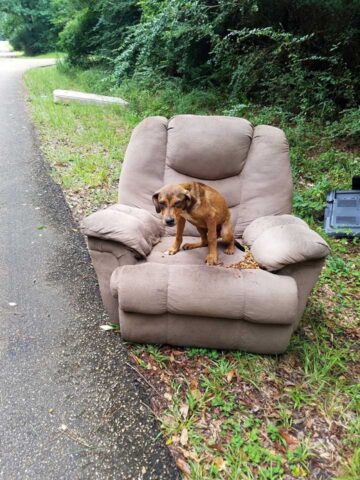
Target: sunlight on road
x=5 y=46
x=6 y=49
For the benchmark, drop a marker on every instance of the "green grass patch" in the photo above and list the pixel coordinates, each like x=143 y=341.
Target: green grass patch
x=231 y=415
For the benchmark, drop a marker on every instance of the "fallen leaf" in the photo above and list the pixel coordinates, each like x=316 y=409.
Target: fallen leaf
x=279 y=447
x=175 y=439
x=218 y=447
x=299 y=471
x=196 y=393
x=184 y=437
x=137 y=359
x=230 y=376
x=309 y=422
x=191 y=455
x=219 y=463
x=183 y=466
x=194 y=384
x=289 y=439
x=184 y=410
x=177 y=352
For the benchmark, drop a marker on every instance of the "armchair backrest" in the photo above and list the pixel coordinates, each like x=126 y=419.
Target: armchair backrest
x=249 y=166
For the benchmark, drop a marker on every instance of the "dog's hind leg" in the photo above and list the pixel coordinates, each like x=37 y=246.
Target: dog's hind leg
x=202 y=243
x=227 y=236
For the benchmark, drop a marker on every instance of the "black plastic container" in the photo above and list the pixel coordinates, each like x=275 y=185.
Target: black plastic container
x=342 y=214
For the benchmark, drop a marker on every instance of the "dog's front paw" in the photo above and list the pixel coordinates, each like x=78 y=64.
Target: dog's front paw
x=188 y=246
x=172 y=251
x=211 y=260
x=230 y=250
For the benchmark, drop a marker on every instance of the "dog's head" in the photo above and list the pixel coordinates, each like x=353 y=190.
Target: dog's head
x=170 y=201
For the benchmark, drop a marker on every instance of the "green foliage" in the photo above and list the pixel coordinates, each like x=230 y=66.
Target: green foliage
x=95 y=30
x=347 y=127
x=301 y=57
x=255 y=50
x=76 y=38
x=28 y=25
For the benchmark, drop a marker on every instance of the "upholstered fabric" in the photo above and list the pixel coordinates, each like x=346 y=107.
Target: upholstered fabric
x=261 y=224
x=204 y=291
x=106 y=256
x=177 y=299
x=142 y=171
x=135 y=228
x=277 y=242
x=305 y=274
x=208 y=332
x=265 y=182
x=196 y=256
x=249 y=166
x=220 y=146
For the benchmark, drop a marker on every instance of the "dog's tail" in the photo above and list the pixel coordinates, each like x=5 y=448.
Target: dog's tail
x=239 y=246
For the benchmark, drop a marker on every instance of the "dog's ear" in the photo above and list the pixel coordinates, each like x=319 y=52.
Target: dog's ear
x=155 y=200
x=189 y=201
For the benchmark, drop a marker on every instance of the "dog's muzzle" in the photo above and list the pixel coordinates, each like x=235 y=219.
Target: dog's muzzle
x=170 y=221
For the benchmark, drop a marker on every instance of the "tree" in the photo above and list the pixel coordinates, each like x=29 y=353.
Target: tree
x=28 y=25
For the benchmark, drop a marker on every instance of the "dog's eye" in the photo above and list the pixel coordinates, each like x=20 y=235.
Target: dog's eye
x=178 y=204
x=162 y=205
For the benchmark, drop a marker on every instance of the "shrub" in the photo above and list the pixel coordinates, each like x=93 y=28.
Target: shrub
x=28 y=25
x=300 y=56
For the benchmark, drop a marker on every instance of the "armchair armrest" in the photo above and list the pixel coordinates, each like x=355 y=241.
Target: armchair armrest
x=278 y=241
x=134 y=228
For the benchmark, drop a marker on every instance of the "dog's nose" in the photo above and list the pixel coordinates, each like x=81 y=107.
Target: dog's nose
x=169 y=221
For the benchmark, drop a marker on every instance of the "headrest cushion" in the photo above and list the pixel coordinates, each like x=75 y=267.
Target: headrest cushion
x=208 y=148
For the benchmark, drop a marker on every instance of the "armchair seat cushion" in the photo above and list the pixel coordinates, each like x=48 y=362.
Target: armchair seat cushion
x=254 y=296
x=196 y=256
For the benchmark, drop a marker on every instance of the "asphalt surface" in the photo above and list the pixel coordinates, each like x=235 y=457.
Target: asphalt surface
x=70 y=406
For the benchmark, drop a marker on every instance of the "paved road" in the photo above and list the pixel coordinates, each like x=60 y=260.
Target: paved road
x=70 y=407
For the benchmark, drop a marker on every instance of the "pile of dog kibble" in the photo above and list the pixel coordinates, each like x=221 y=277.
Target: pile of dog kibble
x=247 y=262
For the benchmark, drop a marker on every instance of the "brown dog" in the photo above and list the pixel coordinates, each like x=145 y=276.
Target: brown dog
x=202 y=206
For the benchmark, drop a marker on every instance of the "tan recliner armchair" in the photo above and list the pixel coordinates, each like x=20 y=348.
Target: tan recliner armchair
x=177 y=299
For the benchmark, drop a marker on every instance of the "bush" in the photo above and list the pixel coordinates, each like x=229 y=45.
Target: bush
x=94 y=31
x=347 y=127
x=28 y=25
x=300 y=56
x=76 y=38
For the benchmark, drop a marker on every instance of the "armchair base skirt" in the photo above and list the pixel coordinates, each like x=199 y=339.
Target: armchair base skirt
x=206 y=332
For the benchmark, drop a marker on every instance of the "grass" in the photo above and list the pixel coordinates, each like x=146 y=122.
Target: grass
x=231 y=415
